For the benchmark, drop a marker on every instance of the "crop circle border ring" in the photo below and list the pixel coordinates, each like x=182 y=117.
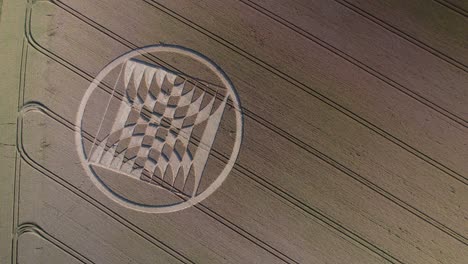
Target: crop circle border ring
x=224 y=173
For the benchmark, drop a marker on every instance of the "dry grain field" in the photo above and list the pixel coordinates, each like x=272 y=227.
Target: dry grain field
x=234 y=131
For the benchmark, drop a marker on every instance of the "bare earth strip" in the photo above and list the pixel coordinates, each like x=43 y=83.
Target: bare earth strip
x=11 y=44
